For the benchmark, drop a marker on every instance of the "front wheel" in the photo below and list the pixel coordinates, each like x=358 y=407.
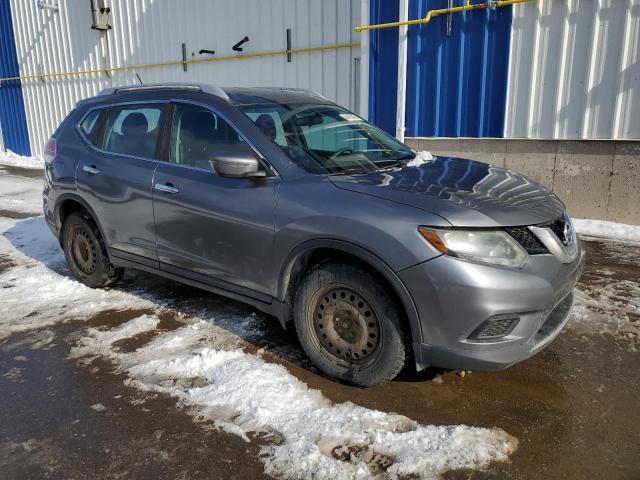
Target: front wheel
x=86 y=253
x=350 y=325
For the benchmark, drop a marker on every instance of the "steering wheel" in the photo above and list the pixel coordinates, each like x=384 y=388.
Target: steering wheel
x=342 y=151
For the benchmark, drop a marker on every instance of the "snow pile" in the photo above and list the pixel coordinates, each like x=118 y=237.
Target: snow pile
x=420 y=159
x=201 y=366
x=38 y=290
x=7 y=157
x=604 y=229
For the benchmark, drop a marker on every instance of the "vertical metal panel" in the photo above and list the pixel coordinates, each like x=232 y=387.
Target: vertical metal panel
x=456 y=84
x=14 y=132
x=383 y=66
x=574 y=70
x=146 y=31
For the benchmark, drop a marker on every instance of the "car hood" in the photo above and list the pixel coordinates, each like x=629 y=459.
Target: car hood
x=464 y=192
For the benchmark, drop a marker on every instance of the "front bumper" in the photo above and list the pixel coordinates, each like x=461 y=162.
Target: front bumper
x=455 y=298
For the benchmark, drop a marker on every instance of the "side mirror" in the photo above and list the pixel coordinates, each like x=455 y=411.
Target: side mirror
x=236 y=165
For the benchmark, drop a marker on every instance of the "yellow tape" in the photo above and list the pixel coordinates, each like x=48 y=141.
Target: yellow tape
x=241 y=56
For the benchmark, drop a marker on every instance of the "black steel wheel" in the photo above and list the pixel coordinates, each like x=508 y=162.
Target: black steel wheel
x=345 y=325
x=350 y=324
x=86 y=252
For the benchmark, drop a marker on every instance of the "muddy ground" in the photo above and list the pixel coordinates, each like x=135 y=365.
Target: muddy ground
x=573 y=407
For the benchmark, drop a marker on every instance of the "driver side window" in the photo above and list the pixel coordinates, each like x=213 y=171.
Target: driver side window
x=197 y=133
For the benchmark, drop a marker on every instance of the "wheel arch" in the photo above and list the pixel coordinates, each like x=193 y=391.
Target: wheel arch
x=314 y=252
x=68 y=203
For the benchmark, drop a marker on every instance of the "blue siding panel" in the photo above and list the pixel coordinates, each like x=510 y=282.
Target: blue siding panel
x=12 y=113
x=456 y=85
x=383 y=66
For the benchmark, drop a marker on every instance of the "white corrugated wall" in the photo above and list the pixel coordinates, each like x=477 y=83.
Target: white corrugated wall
x=147 y=31
x=574 y=70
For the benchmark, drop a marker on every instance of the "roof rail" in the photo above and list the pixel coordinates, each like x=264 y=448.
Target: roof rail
x=198 y=87
x=300 y=90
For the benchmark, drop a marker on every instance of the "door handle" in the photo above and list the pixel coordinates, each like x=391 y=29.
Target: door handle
x=90 y=170
x=166 y=188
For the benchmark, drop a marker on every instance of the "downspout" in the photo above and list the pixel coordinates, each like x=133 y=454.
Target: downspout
x=401 y=97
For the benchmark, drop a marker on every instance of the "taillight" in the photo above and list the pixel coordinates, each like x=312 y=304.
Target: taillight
x=50 y=150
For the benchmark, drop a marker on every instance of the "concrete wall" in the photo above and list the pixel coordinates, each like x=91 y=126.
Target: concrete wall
x=596 y=179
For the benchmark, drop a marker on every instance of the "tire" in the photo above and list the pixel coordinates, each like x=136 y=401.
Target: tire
x=350 y=325
x=86 y=252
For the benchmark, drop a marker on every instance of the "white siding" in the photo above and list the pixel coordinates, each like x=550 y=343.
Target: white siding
x=574 y=70
x=148 y=31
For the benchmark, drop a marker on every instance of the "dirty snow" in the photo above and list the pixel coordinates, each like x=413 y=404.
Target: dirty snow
x=7 y=157
x=38 y=290
x=604 y=229
x=241 y=393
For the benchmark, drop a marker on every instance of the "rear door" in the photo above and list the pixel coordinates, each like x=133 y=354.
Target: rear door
x=214 y=229
x=115 y=177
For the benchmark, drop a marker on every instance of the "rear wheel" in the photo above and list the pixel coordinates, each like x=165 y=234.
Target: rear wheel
x=350 y=325
x=86 y=253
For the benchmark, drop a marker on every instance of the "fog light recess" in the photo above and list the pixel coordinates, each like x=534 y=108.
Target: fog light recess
x=495 y=327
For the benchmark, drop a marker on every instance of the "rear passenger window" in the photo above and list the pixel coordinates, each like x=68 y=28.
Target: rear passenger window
x=197 y=133
x=133 y=130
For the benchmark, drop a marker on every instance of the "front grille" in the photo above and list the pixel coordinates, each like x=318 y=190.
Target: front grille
x=528 y=240
x=495 y=327
x=556 y=226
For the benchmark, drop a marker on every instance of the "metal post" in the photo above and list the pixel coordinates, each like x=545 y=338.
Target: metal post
x=401 y=97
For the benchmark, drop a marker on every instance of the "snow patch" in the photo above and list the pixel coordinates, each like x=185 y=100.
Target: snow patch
x=201 y=365
x=604 y=229
x=420 y=159
x=7 y=157
x=38 y=291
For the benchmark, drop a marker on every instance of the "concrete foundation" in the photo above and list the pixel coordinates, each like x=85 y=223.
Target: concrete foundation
x=597 y=179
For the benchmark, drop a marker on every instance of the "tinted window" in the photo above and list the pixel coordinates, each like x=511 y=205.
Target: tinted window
x=133 y=130
x=197 y=133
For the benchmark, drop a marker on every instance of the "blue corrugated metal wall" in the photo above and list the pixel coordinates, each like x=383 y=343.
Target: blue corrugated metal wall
x=12 y=114
x=457 y=83
x=383 y=66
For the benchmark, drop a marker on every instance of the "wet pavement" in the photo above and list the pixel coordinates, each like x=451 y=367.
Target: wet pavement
x=573 y=407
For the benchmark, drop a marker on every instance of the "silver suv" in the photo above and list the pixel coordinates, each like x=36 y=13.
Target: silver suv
x=376 y=255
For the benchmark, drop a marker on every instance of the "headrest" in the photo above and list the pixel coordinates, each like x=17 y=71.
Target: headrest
x=135 y=123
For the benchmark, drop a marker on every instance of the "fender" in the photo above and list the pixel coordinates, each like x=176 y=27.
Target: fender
x=367 y=257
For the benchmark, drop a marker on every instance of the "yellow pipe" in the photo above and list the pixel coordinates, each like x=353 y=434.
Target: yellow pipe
x=442 y=11
x=242 y=56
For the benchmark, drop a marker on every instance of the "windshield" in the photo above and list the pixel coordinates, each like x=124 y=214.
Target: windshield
x=326 y=139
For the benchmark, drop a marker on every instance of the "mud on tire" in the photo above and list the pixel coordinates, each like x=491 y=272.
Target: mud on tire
x=86 y=252
x=350 y=325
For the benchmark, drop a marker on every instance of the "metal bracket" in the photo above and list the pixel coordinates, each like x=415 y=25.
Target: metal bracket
x=184 y=57
x=237 y=47
x=288 y=45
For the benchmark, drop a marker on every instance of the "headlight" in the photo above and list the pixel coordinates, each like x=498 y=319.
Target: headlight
x=496 y=247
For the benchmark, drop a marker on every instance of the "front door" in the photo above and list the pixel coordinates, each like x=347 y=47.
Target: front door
x=115 y=177
x=214 y=229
